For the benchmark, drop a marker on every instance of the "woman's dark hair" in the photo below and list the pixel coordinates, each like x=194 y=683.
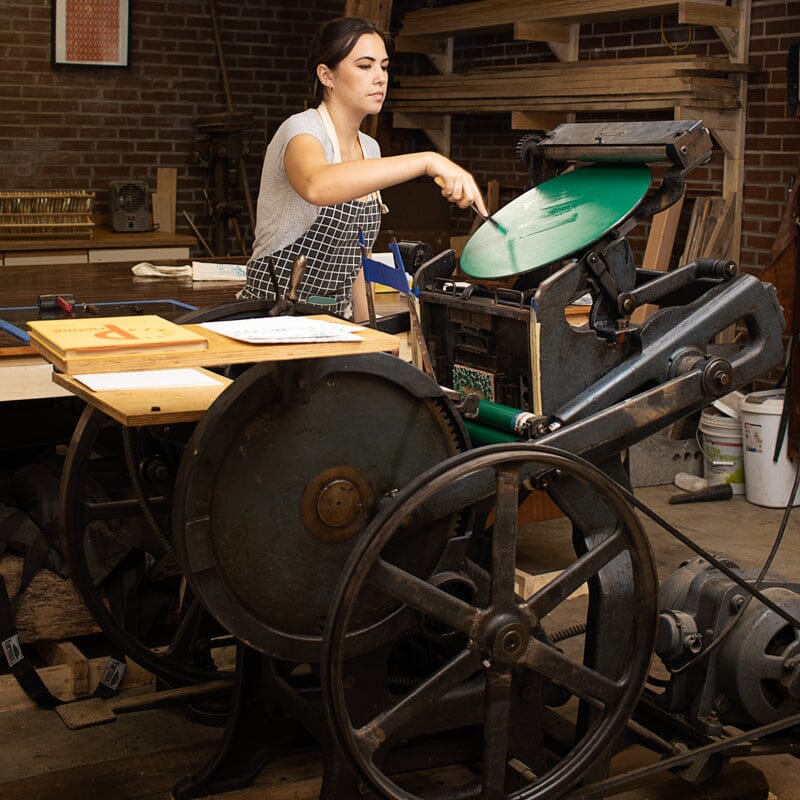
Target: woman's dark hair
x=333 y=43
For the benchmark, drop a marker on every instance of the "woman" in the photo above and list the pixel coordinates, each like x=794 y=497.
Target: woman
x=321 y=179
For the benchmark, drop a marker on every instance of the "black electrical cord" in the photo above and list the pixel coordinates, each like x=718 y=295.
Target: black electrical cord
x=715 y=562
x=147 y=510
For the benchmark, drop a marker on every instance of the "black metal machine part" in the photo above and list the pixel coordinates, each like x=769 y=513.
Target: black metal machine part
x=371 y=581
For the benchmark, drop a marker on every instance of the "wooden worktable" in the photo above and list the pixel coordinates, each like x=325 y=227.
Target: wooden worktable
x=25 y=375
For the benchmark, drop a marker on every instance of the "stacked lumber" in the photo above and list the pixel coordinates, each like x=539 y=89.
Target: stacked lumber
x=491 y=14
x=635 y=83
x=710 y=229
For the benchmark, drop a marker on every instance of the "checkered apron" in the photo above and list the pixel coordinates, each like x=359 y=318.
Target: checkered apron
x=333 y=256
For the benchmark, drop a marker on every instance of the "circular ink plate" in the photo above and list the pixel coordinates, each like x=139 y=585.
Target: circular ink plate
x=555 y=219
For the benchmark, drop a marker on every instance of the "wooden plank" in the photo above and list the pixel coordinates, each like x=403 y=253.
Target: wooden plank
x=50 y=608
x=692 y=12
x=68 y=655
x=420 y=44
x=488 y=14
x=526 y=585
x=607 y=70
x=135 y=407
x=542 y=32
x=167 y=191
x=547 y=89
x=719 y=239
x=715 y=209
x=575 y=103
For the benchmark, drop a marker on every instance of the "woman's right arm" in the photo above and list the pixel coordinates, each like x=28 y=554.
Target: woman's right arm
x=324 y=184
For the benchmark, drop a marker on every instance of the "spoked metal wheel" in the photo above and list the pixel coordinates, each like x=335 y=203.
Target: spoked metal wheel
x=117 y=542
x=540 y=712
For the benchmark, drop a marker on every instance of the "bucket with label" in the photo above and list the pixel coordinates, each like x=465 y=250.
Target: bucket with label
x=769 y=482
x=720 y=439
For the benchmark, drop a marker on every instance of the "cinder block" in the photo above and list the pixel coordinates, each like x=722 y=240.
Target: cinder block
x=657 y=459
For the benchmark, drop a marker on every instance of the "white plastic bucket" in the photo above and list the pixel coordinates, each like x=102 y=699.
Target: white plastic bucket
x=723 y=460
x=768 y=482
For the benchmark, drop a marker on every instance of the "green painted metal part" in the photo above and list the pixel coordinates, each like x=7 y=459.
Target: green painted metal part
x=555 y=219
x=498 y=416
x=480 y=435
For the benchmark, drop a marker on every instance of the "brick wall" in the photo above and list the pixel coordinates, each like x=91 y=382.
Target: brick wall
x=79 y=127
x=83 y=127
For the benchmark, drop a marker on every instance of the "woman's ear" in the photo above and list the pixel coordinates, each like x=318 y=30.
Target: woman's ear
x=325 y=76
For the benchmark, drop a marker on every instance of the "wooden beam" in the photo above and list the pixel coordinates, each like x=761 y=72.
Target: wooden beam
x=420 y=44
x=695 y=12
x=488 y=14
x=437 y=127
x=50 y=608
x=568 y=51
x=528 y=31
x=70 y=656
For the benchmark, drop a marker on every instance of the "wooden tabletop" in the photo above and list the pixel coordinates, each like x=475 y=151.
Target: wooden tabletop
x=99 y=283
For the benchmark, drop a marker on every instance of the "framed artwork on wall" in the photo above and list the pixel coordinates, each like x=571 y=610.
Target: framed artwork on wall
x=92 y=33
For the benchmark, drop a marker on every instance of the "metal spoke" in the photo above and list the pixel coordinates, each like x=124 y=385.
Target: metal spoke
x=390 y=722
x=577 y=573
x=504 y=536
x=596 y=689
x=119 y=509
x=423 y=596
x=495 y=733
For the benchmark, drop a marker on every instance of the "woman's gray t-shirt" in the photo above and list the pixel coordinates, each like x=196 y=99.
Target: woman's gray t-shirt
x=282 y=215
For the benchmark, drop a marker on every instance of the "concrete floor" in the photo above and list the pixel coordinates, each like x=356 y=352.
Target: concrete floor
x=143 y=754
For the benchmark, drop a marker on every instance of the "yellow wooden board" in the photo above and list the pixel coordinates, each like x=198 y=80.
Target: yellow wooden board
x=221 y=351
x=132 y=407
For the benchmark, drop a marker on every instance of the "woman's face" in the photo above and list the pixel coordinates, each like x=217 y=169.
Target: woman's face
x=359 y=79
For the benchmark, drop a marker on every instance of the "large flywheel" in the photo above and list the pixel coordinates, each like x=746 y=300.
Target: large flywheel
x=281 y=477
x=115 y=492
x=540 y=710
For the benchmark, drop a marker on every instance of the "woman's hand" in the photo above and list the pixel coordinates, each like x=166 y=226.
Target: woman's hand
x=457 y=185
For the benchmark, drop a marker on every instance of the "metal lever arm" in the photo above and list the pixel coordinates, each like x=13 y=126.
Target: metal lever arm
x=721 y=268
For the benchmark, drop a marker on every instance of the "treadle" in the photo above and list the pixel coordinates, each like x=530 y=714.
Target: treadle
x=85 y=713
x=96 y=711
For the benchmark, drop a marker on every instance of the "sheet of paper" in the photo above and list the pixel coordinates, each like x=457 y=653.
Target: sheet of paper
x=284 y=330
x=146 y=379
x=209 y=271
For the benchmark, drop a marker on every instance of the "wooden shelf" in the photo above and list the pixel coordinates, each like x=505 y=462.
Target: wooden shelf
x=540 y=96
x=103 y=246
x=554 y=17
